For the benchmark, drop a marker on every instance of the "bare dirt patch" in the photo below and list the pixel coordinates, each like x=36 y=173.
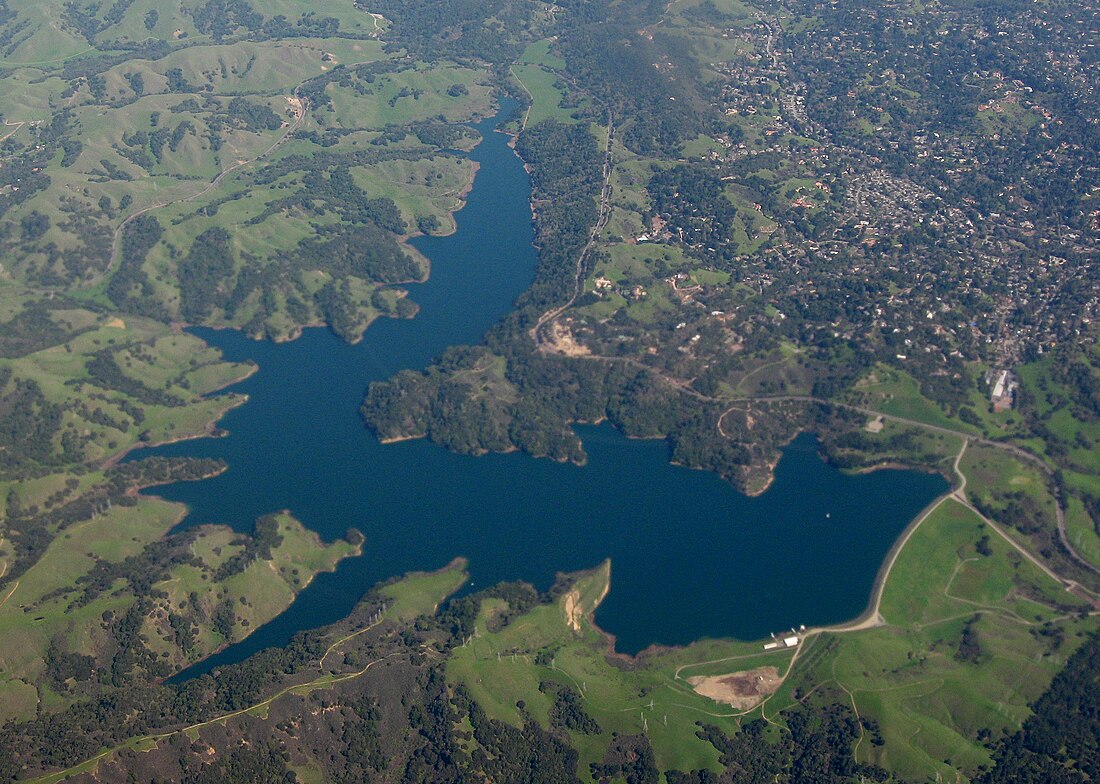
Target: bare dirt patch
x=117 y=323
x=573 y=610
x=562 y=342
x=741 y=690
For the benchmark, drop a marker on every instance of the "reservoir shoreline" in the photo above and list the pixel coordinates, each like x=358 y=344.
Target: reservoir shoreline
x=805 y=551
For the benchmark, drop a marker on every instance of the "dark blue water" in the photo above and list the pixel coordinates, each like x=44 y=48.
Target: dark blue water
x=691 y=557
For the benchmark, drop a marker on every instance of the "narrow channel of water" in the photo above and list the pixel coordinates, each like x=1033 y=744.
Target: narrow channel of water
x=691 y=557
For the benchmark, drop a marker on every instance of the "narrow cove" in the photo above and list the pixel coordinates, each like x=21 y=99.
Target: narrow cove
x=691 y=557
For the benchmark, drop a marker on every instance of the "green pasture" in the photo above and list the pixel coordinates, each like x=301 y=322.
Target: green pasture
x=995 y=473
x=180 y=362
x=897 y=393
x=32 y=613
x=42 y=41
x=411 y=95
x=775 y=372
x=420 y=593
x=652 y=695
x=267 y=586
x=538 y=53
x=30 y=617
x=910 y=445
x=929 y=704
x=1082 y=532
x=546 y=96
x=429 y=187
